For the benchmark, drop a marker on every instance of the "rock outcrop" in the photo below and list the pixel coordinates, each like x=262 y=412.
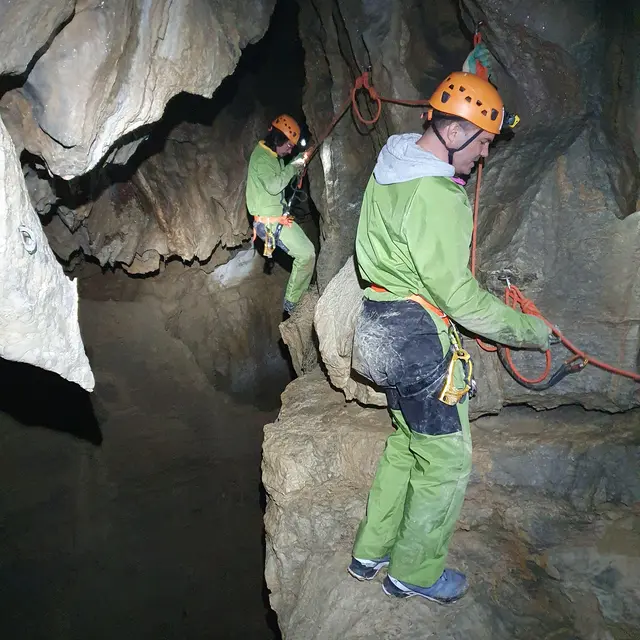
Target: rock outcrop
x=548 y=534
x=93 y=79
x=186 y=201
x=112 y=69
x=27 y=28
x=38 y=303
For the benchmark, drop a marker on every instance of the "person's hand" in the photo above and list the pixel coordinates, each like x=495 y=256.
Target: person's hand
x=299 y=163
x=544 y=335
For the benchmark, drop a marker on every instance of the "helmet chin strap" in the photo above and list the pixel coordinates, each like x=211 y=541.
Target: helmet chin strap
x=449 y=149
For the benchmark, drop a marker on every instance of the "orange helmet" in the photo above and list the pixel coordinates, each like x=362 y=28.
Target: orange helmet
x=288 y=126
x=468 y=96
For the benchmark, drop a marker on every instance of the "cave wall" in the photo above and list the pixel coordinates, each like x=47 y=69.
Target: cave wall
x=114 y=66
x=559 y=199
x=84 y=88
x=185 y=197
x=409 y=46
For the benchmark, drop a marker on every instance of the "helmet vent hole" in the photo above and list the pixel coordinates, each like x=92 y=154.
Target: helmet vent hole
x=479 y=103
x=451 y=87
x=461 y=89
x=484 y=112
x=468 y=99
x=445 y=96
x=494 y=114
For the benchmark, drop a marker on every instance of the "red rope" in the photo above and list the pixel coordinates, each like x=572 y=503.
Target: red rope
x=361 y=84
x=514 y=298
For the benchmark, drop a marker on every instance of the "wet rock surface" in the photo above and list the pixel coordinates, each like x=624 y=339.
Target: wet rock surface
x=548 y=534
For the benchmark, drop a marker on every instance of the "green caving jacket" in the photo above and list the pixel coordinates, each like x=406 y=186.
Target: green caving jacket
x=414 y=238
x=266 y=180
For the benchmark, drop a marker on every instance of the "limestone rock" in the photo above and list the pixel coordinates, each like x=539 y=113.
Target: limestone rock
x=335 y=320
x=560 y=228
x=114 y=66
x=186 y=200
x=547 y=525
x=38 y=303
x=298 y=334
x=26 y=28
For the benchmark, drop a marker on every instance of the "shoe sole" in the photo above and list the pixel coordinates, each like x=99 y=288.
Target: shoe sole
x=398 y=593
x=376 y=569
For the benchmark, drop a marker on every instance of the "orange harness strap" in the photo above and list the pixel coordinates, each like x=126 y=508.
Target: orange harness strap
x=285 y=221
x=425 y=304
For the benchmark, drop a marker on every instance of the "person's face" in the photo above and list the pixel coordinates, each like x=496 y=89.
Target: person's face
x=285 y=149
x=464 y=160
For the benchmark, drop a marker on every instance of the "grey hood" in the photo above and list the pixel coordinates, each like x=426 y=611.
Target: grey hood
x=401 y=160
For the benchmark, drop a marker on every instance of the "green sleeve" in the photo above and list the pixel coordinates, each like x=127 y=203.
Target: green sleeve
x=438 y=232
x=273 y=176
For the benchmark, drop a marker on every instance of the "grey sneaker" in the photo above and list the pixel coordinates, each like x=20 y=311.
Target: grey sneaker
x=366 y=569
x=449 y=587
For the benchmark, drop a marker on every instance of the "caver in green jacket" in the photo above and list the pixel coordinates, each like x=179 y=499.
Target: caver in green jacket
x=413 y=238
x=267 y=178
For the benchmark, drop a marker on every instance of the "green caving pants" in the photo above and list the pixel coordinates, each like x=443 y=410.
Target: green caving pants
x=301 y=249
x=419 y=486
x=293 y=241
x=415 y=500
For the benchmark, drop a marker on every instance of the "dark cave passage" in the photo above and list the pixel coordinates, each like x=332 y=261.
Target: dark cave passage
x=136 y=511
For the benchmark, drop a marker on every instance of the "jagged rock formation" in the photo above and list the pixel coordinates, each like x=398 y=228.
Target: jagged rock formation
x=186 y=201
x=38 y=303
x=95 y=77
x=548 y=534
x=112 y=69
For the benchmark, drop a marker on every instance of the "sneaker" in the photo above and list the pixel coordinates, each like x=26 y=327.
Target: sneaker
x=366 y=569
x=449 y=587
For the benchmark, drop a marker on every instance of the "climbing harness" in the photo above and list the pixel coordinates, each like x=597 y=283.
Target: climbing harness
x=449 y=394
x=271 y=235
x=285 y=220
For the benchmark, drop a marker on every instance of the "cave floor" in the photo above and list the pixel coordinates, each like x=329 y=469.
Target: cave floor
x=141 y=518
x=549 y=534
